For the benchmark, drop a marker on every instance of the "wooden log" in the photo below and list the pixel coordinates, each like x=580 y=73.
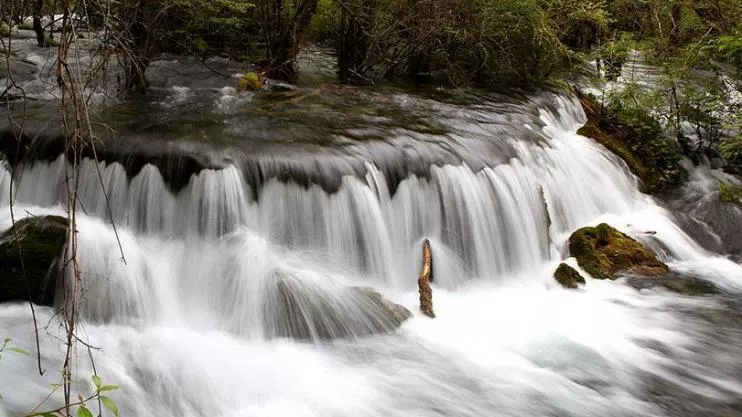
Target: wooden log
x=423 y=281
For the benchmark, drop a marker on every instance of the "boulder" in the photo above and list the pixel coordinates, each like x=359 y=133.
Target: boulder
x=303 y=309
x=568 y=277
x=41 y=242
x=603 y=251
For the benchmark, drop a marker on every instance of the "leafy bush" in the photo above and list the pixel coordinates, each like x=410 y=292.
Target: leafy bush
x=4 y=29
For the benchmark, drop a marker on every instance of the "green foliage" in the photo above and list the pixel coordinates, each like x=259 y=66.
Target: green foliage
x=730 y=194
x=731 y=147
x=10 y=348
x=645 y=139
x=4 y=29
x=325 y=23
x=729 y=49
x=82 y=409
x=494 y=43
x=578 y=23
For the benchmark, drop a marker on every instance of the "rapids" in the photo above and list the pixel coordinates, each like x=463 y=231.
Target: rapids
x=185 y=324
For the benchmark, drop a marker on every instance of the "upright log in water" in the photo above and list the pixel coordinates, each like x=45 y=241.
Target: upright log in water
x=423 y=282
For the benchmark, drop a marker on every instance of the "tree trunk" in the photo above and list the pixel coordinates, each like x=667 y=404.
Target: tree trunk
x=285 y=39
x=355 y=43
x=676 y=15
x=37 y=27
x=139 y=60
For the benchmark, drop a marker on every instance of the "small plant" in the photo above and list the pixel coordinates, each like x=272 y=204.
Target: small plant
x=7 y=346
x=252 y=81
x=82 y=408
x=4 y=30
x=10 y=348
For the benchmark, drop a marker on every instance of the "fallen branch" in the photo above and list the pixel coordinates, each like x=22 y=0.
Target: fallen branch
x=423 y=282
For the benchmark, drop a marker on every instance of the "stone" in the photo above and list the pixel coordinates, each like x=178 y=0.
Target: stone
x=41 y=241
x=603 y=251
x=302 y=309
x=568 y=277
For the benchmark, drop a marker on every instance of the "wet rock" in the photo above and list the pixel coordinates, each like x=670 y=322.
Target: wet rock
x=301 y=309
x=568 y=277
x=603 y=251
x=41 y=241
x=675 y=282
x=281 y=87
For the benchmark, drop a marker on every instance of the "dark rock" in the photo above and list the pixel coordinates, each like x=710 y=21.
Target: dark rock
x=41 y=241
x=301 y=309
x=673 y=281
x=603 y=251
x=568 y=277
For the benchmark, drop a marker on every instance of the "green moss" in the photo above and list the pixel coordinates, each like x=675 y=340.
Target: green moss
x=730 y=194
x=252 y=81
x=603 y=251
x=40 y=241
x=568 y=277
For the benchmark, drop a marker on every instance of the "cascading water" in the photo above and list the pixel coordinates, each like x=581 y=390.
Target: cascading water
x=192 y=323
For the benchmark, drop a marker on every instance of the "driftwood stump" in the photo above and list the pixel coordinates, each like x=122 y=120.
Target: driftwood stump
x=423 y=282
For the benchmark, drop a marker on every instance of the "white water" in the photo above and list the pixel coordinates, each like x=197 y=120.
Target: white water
x=185 y=329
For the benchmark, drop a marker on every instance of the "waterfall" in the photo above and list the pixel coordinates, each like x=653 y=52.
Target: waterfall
x=218 y=256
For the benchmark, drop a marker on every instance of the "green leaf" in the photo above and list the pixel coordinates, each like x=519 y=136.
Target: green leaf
x=84 y=412
x=110 y=405
x=105 y=388
x=97 y=381
x=48 y=415
x=19 y=351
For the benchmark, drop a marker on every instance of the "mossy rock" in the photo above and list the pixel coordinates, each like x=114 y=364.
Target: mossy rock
x=568 y=277
x=252 y=81
x=41 y=241
x=603 y=251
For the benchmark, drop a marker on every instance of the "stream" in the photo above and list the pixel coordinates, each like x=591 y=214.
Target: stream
x=219 y=196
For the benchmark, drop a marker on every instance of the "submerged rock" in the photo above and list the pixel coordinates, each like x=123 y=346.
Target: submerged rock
x=568 y=277
x=680 y=283
x=603 y=251
x=41 y=241
x=302 y=309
